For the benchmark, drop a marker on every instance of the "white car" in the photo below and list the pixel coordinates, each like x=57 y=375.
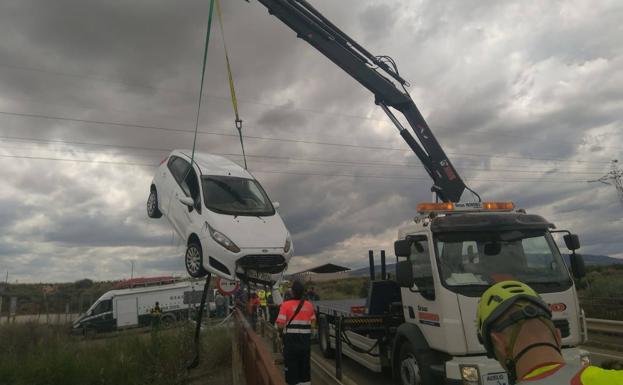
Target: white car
x=230 y=226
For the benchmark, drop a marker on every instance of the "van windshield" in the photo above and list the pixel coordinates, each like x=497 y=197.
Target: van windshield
x=477 y=259
x=236 y=196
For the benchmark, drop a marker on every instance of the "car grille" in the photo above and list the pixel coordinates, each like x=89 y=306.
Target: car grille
x=563 y=325
x=263 y=263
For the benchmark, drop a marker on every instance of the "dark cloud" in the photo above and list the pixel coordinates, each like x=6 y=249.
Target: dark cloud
x=502 y=84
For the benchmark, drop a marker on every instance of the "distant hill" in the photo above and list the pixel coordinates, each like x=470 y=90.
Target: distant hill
x=589 y=260
x=598 y=260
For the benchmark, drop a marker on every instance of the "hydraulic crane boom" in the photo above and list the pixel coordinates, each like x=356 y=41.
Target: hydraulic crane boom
x=376 y=74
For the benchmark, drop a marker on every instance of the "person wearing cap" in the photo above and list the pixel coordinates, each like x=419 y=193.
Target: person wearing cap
x=296 y=319
x=515 y=326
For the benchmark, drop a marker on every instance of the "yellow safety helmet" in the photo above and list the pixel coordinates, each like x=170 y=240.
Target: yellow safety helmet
x=497 y=300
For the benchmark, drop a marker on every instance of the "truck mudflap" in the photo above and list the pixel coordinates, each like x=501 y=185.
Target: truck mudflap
x=489 y=372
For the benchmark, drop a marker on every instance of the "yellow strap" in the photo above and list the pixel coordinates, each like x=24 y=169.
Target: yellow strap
x=234 y=100
x=541 y=370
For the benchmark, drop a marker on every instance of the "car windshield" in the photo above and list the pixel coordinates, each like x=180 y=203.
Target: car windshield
x=236 y=196
x=471 y=259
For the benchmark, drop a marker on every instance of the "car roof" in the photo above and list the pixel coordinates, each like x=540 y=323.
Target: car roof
x=211 y=164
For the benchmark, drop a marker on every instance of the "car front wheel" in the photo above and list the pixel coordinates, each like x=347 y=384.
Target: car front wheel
x=194 y=261
x=152 y=205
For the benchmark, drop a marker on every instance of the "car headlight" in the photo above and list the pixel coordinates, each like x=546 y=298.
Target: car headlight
x=288 y=245
x=222 y=240
x=470 y=375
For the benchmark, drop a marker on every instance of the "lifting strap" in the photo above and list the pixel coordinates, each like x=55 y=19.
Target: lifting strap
x=204 y=296
x=232 y=89
x=203 y=70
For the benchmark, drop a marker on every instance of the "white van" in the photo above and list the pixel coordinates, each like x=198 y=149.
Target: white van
x=130 y=308
x=230 y=226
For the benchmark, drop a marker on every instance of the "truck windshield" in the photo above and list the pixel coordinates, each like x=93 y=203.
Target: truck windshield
x=477 y=259
x=236 y=196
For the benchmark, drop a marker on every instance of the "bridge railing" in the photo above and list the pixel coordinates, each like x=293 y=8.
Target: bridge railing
x=257 y=362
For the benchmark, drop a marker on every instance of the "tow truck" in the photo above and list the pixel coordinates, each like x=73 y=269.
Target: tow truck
x=421 y=325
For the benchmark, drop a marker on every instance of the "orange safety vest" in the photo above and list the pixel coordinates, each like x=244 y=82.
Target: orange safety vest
x=566 y=374
x=301 y=324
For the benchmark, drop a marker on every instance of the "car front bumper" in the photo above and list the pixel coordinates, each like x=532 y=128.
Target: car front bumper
x=262 y=265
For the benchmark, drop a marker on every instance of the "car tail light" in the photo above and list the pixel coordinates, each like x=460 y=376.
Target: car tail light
x=164 y=160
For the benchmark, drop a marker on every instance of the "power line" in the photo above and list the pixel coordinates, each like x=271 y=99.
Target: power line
x=126 y=163
x=287 y=140
x=614 y=177
x=277 y=106
x=285 y=158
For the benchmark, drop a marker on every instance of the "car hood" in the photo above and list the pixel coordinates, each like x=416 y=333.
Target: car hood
x=251 y=232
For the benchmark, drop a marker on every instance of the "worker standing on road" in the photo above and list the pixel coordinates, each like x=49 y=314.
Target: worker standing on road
x=296 y=319
x=515 y=326
x=155 y=312
x=261 y=295
x=219 y=302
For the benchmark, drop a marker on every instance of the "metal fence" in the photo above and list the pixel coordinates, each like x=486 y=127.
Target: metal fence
x=603 y=308
x=257 y=362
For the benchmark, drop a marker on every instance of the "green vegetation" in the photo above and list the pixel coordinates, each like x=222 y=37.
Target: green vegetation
x=600 y=292
x=31 y=300
x=41 y=355
x=355 y=287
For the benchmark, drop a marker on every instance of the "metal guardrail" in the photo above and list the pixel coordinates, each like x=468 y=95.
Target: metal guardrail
x=257 y=362
x=604 y=326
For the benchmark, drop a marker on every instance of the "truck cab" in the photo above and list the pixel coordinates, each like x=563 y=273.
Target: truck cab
x=447 y=257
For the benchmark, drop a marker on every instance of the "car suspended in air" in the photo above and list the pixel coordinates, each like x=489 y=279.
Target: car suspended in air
x=230 y=226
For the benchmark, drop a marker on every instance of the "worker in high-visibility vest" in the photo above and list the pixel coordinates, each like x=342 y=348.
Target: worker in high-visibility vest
x=261 y=294
x=295 y=320
x=515 y=326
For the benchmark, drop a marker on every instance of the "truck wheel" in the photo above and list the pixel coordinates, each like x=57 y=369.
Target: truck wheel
x=324 y=338
x=414 y=367
x=152 y=204
x=194 y=261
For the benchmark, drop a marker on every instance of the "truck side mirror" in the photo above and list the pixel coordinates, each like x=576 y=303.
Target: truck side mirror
x=572 y=241
x=402 y=248
x=577 y=265
x=404 y=273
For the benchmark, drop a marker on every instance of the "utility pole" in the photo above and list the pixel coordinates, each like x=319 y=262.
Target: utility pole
x=132 y=273
x=614 y=177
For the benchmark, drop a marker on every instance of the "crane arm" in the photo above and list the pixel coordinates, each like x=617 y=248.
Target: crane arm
x=379 y=75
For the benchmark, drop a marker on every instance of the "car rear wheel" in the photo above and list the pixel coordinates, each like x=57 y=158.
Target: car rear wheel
x=194 y=261
x=152 y=205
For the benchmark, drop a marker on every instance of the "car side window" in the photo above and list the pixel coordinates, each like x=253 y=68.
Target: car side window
x=190 y=186
x=178 y=168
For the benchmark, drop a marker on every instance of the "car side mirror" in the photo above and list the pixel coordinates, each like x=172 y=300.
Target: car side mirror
x=577 y=266
x=572 y=241
x=276 y=205
x=404 y=273
x=402 y=248
x=188 y=201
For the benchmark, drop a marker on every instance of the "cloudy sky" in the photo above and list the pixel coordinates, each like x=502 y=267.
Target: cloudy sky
x=525 y=96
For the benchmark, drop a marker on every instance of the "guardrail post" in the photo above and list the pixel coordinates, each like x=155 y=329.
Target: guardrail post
x=338 y=348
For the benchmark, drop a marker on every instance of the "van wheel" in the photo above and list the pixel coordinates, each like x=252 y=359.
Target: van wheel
x=167 y=320
x=194 y=261
x=414 y=367
x=90 y=332
x=324 y=338
x=152 y=204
